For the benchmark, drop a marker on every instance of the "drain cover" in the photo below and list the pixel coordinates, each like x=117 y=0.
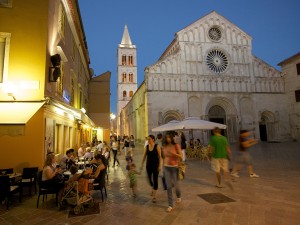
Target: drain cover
x=216 y=198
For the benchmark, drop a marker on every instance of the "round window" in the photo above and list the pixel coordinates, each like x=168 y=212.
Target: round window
x=215 y=33
x=217 y=61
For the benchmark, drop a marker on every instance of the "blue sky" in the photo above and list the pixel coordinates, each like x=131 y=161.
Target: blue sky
x=273 y=24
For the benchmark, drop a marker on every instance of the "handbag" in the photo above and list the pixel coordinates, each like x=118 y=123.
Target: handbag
x=181 y=170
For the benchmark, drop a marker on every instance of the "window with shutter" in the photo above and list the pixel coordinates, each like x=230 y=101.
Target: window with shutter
x=298 y=68
x=297 y=95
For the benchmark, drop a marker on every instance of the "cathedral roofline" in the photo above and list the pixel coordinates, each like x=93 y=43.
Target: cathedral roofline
x=289 y=59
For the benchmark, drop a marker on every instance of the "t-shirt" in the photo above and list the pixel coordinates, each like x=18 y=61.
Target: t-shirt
x=220 y=146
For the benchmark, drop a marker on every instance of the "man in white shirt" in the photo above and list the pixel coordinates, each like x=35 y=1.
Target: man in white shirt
x=100 y=146
x=80 y=152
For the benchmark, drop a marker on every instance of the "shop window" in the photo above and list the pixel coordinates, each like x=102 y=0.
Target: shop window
x=130 y=60
x=124 y=94
x=130 y=78
x=4 y=51
x=124 y=77
x=123 y=60
x=130 y=94
x=298 y=68
x=297 y=95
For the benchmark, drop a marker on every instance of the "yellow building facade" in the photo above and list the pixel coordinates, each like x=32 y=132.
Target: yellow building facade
x=44 y=75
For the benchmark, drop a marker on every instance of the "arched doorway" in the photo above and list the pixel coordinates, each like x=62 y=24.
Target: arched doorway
x=217 y=114
x=266 y=126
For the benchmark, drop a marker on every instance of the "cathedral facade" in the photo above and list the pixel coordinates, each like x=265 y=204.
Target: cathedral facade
x=208 y=71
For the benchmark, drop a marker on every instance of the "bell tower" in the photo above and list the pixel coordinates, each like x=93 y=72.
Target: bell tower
x=127 y=74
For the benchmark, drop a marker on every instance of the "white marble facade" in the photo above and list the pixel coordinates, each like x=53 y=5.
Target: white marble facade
x=209 y=71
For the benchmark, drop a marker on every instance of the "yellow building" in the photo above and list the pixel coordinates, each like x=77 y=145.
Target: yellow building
x=44 y=76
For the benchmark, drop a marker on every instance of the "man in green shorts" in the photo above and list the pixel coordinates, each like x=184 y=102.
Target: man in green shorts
x=221 y=154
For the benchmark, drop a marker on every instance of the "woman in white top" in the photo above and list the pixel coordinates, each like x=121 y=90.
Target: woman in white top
x=115 y=151
x=52 y=177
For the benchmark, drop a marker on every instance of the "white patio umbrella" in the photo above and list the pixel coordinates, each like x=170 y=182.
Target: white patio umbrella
x=190 y=123
x=166 y=127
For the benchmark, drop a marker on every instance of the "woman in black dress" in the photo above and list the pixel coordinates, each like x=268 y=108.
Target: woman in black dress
x=153 y=164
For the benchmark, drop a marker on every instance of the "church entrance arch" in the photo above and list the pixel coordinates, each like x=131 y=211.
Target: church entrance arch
x=266 y=126
x=222 y=110
x=218 y=115
x=171 y=115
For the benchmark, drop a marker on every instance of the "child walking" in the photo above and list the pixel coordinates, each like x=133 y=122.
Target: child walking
x=132 y=176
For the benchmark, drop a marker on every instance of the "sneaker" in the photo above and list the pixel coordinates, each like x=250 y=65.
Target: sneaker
x=235 y=175
x=253 y=175
x=169 y=209
x=178 y=200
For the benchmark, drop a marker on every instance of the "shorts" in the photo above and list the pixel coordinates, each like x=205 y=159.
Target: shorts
x=244 y=157
x=218 y=163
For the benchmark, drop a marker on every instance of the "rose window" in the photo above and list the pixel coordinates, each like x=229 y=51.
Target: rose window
x=217 y=61
x=215 y=34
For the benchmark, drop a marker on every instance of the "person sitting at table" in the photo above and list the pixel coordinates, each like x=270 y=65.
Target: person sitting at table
x=52 y=177
x=88 y=155
x=73 y=171
x=81 y=152
x=99 y=168
x=67 y=160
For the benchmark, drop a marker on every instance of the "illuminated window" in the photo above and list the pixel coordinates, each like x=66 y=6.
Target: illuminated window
x=61 y=22
x=72 y=92
x=73 y=49
x=80 y=99
x=60 y=80
x=130 y=60
x=124 y=77
x=130 y=94
x=4 y=51
x=130 y=77
x=123 y=60
x=124 y=94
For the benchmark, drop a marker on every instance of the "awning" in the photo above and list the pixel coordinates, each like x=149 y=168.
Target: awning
x=18 y=112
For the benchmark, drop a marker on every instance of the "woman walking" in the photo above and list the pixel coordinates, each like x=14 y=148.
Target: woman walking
x=172 y=156
x=153 y=164
x=114 y=147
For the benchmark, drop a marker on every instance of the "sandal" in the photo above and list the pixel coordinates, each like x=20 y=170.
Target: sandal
x=218 y=186
x=154 y=200
x=169 y=209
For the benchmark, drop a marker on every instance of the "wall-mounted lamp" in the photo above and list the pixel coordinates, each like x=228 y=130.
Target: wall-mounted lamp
x=54 y=71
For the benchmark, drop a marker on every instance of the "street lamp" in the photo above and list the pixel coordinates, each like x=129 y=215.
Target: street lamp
x=112 y=116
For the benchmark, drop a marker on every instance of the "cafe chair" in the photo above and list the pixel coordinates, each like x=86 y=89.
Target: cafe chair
x=6 y=171
x=43 y=190
x=29 y=179
x=7 y=191
x=100 y=184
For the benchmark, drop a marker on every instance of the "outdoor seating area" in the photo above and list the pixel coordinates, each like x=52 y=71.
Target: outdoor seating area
x=199 y=152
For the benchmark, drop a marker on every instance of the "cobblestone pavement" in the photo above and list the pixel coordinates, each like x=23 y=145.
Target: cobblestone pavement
x=273 y=199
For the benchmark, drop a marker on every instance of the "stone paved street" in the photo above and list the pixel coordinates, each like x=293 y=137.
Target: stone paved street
x=272 y=199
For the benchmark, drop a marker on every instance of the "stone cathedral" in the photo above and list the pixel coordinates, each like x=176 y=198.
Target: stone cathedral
x=208 y=71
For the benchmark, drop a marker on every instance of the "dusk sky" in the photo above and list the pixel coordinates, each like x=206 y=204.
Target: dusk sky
x=273 y=24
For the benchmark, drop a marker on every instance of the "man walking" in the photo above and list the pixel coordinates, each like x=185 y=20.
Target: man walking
x=221 y=154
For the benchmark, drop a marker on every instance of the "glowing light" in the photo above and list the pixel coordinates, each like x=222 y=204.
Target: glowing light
x=112 y=116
